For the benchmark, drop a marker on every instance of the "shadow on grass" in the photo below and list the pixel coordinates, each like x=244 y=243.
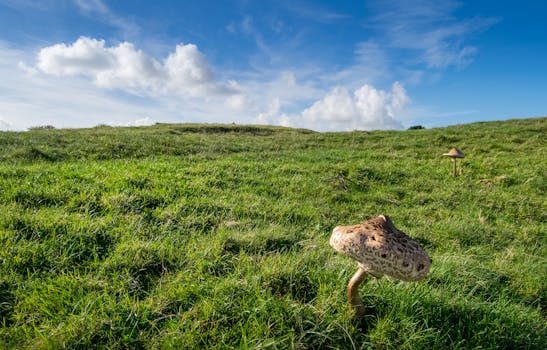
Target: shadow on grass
x=375 y=308
x=449 y=324
x=482 y=326
x=262 y=246
x=298 y=285
x=7 y=299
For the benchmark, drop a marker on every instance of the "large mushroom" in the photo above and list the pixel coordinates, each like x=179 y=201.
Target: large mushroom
x=454 y=153
x=379 y=248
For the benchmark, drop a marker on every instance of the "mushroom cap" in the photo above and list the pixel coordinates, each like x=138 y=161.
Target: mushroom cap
x=381 y=249
x=454 y=153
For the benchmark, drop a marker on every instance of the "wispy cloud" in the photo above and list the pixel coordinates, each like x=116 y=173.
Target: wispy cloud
x=98 y=10
x=92 y=6
x=315 y=12
x=429 y=29
x=371 y=64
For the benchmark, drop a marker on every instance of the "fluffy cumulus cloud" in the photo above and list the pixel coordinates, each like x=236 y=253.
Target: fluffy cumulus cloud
x=71 y=86
x=367 y=108
x=86 y=56
x=183 y=72
x=32 y=98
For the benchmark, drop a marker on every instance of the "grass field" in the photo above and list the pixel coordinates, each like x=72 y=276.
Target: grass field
x=216 y=236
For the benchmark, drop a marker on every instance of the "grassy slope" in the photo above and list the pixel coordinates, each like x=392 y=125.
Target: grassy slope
x=217 y=236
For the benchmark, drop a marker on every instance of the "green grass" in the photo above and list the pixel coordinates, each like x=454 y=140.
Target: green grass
x=216 y=236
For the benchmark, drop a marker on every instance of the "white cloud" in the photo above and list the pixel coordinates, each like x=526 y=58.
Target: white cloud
x=31 y=98
x=366 y=109
x=271 y=114
x=86 y=56
x=399 y=98
x=237 y=101
x=184 y=72
x=188 y=72
x=87 y=82
x=24 y=67
x=130 y=70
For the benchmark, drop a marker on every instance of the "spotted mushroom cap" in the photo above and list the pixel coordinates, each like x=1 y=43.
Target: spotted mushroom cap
x=381 y=249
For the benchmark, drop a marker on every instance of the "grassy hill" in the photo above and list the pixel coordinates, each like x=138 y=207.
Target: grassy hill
x=216 y=236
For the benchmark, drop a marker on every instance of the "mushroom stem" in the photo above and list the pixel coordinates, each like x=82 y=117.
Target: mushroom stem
x=354 y=298
x=455 y=172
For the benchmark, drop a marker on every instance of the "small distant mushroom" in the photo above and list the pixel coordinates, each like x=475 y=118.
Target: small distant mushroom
x=379 y=249
x=454 y=154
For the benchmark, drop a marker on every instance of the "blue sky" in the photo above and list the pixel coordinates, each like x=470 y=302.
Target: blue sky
x=322 y=65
